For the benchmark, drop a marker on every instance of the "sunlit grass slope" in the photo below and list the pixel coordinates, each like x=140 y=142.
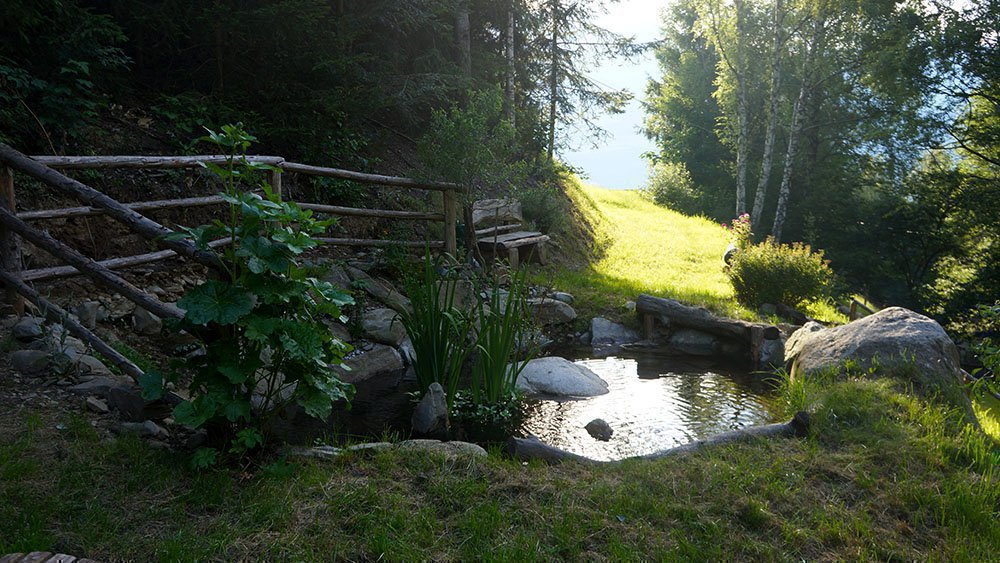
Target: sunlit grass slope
x=645 y=248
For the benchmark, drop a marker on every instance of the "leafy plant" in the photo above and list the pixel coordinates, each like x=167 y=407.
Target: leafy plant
x=266 y=344
x=670 y=185
x=437 y=329
x=778 y=273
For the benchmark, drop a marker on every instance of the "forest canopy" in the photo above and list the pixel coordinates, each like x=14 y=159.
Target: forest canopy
x=867 y=128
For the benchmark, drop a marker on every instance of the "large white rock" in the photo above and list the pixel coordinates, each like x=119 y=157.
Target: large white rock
x=560 y=377
x=891 y=335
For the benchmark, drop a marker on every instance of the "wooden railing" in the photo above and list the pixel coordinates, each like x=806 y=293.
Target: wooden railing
x=45 y=169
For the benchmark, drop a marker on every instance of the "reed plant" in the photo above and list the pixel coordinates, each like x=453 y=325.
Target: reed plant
x=502 y=320
x=438 y=330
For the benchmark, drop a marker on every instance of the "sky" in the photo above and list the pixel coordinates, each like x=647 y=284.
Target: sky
x=616 y=163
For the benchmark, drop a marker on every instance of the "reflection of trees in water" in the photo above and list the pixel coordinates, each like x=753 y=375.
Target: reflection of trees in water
x=652 y=405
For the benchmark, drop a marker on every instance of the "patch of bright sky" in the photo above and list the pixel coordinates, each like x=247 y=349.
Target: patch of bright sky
x=617 y=163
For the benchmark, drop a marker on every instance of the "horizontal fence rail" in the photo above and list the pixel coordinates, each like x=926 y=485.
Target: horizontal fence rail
x=45 y=169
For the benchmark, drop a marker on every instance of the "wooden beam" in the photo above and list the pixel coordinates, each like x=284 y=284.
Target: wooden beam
x=450 y=223
x=143 y=162
x=137 y=206
x=10 y=243
x=380 y=213
x=380 y=242
x=44 y=274
x=90 y=268
x=57 y=315
x=145 y=227
x=377 y=179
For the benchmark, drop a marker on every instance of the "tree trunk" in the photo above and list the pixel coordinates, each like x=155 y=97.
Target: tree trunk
x=796 y=129
x=553 y=78
x=742 y=111
x=760 y=196
x=463 y=39
x=511 y=70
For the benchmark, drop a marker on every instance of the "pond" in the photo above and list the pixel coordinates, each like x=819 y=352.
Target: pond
x=654 y=402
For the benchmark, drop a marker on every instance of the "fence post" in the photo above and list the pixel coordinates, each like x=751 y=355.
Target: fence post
x=10 y=243
x=450 y=222
x=274 y=178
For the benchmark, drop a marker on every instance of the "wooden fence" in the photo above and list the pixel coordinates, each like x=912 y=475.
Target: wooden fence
x=15 y=226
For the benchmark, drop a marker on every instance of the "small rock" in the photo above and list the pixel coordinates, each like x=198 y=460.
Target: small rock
x=550 y=312
x=563 y=296
x=87 y=312
x=30 y=362
x=768 y=309
x=28 y=329
x=129 y=404
x=599 y=429
x=406 y=351
x=89 y=365
x=430 y=418
x=146 y=323
x=97 y=405
x=152 y=429
x=630 y=306
x=99 y=385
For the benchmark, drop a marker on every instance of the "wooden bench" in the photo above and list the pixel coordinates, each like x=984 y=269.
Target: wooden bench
x=503 y=235
x=514 y=246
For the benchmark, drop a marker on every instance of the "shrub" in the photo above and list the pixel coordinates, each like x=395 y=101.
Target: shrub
x=779 y=273
x=670 y=185
x=266 y=342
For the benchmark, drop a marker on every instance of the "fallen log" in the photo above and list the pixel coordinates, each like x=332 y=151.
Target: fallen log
x=531 y=448
x=671 y=312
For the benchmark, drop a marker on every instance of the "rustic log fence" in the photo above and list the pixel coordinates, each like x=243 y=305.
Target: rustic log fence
x=14 y=226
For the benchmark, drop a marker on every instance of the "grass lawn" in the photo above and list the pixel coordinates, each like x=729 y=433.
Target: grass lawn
x=885 y=475
x=645 y=248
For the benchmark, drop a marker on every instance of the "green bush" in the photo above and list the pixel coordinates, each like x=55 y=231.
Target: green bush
x=779 y=273
x=266 y=344
x=670 y=185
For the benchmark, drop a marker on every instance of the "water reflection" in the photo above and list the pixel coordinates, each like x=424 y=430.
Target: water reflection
x=654 y=403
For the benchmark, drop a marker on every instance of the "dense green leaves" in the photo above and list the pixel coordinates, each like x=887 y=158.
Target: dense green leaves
x=216 y=302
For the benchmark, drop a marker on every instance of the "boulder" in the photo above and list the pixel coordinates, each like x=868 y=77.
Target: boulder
x=89 y=365
x=560 y=377
x=599 y=429
x=606 y=336
x=550 y=312
x=28 y=329
x=493 y=212
x=96 y=405
x=380 y=290
x=890 y=335
x=146 y=323
x=430 y=418
x=772 y=354
x=383 y=326
x=128 y=402
x=379 y=359
x=30 y=362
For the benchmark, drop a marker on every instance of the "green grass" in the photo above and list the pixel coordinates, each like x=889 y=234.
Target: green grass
x=645 y=248
x=884 y=475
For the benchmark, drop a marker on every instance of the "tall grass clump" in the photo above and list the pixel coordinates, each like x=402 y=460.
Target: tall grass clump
x=437 y=329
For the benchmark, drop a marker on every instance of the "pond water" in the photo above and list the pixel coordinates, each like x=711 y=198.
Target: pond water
x=654 y=402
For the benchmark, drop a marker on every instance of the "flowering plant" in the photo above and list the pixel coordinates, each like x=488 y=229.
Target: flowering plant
x=740 y=231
